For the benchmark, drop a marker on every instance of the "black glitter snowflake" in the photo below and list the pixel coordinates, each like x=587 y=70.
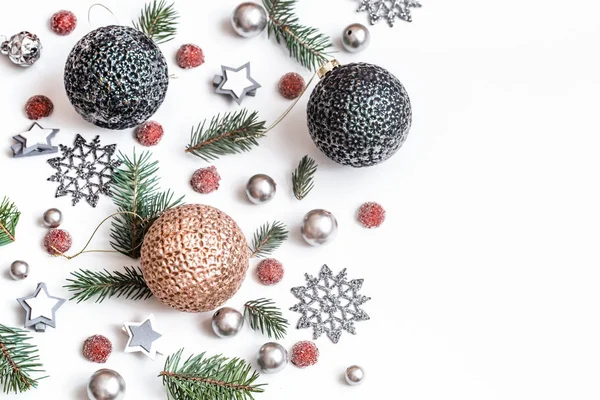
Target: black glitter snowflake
x=84 y=170
x=388 y=9
x=330 y=304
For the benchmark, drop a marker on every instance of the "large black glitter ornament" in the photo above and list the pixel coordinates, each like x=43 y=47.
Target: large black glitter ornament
x=116 y=77
x=359 y=114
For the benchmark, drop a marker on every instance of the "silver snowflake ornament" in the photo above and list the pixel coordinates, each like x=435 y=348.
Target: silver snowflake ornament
x=330 y=304
x=388 y=9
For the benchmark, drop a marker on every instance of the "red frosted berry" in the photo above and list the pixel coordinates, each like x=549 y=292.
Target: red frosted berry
x=38 y=107
x=97 y=348
x=291 y=85
x=63 y=22
x=305 y=354
x=190 y=56
x=270 y=271
x=371 y=215
x=150 y=133
x=206 y=180
x=57 y=241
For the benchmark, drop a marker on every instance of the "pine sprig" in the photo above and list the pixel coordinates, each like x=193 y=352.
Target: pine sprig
x=307 y=45
x=19 y=359
x=268 y=238
x=158 y=21
x=232 y=133
x=264 y=316
x=130 y=284
x=9 y=218
x=210 y=378
x=303 y=177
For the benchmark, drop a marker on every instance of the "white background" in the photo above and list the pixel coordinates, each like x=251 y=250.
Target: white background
x=484 y=278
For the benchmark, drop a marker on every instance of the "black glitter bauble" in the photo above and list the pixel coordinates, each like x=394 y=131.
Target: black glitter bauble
x=116 y=77
x=359 y=114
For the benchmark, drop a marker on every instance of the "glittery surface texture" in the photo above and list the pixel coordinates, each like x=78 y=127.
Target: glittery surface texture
x=304 y=354
x=116 y=77
x=97 y=348
x=269 y=271
x=57 y=241
x=371 y=215
x=63 y=22
x=38 y=107
x=359 y=115
x=205 y=180
x=150 y=133
x=291 y=85
x=194 y=258
x=388 y=9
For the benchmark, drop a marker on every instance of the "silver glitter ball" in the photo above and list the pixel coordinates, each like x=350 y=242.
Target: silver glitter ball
x=356 y=37
x=19 y=270
x=52 y=218
x=227 y=322
x=272 y=358
x=354 y=375
x=106 y=384
x=24 y=48
x=261 y=189
x=249 y=19
x=319 y=227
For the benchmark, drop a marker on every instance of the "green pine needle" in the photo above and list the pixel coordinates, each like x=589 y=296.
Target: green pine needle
x=129 y=284
x=9 y=218
x=209 y=378
x=19 y=359
x=264 y=316
x=158 y=21
x=232 y=133
x=268 y=238
x=303 y=177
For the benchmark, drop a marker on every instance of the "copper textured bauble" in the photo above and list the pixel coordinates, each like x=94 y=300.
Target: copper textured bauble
x=194 y=258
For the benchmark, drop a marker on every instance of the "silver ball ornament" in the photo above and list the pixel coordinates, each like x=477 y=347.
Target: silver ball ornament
x=356 y=37
x=23 y=49
x=52 y=218
x=354 y=375
x=261 y=189
x=272 y=357
x=106 y=384
x=249 y=19
x=19 y=270
x=227 y=322
x=319 y=227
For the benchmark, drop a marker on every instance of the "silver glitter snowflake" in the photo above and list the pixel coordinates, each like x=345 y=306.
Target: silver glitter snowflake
x=389 y=9
x=330 y=304
x=85 y=170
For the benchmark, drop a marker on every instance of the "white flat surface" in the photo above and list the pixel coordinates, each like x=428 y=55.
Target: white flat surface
x=485 y=276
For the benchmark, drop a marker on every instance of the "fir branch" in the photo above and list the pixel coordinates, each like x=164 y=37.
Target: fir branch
x=19 y=359
x=233 y=133
x=264 y=316
x=268 y=238
x=9 y=218
x=303 y=177
x=130 y=284
x=214 y=378
x=158 y=21
x=307 y=45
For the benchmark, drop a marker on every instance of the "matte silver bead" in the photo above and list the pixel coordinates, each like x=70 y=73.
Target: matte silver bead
x=319 y=227
x=19 y=270
x=355 y=375
x=23 y=49
x=52 y=218
x=227 y=322
x=106 y=384
x=356 y=37
x=261 y=189
x=249 y=19
x=272 y=358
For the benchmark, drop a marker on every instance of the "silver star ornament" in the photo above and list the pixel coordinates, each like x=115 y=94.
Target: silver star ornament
x=388 y=9
x=35 y=141
x=236 y=82
x=142 y=337
x=40 y=308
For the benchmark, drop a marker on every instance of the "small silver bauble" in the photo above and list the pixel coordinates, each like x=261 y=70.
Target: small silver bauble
x=272 y=357
x=319 y=227
x=355 y=375
x=24 y=48
x=261 y=189
x=19 y=270
x=227 y=322
x=52 y=218
x=106 y=384
x=356 y=37
x=249 y=19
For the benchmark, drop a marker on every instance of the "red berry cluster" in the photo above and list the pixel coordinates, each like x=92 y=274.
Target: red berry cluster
x=304 y=354
x=38 y=107
x=189 y=56
x=291 y=85
x=270 y=271
x=371 y=215
x=97 y=348
x=63 y=22
x=150 y=133
x=57 y=241
x=205 y=180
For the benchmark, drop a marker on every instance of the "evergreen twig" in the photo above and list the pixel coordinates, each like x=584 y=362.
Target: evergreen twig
x=158 y=21
x=19 y=359
x=268 y=238
x=264 y=316
x=130 y=284
x=9 y=218
x=303 y=177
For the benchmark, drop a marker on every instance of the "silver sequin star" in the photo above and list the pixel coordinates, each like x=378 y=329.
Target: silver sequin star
x=389 y=9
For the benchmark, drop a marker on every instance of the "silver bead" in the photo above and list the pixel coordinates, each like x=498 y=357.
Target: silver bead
x=261 y=189
x=249 y=19
x=19 y=270
x=319 y=227
x=227 y=322
x=355 y=375
x=23 y=49
x=52 y=218
x=106 y=384
x=272 y=357
x=356 y=37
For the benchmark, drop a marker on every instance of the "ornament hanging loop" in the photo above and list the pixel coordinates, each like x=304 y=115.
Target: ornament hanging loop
x=103 y=6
